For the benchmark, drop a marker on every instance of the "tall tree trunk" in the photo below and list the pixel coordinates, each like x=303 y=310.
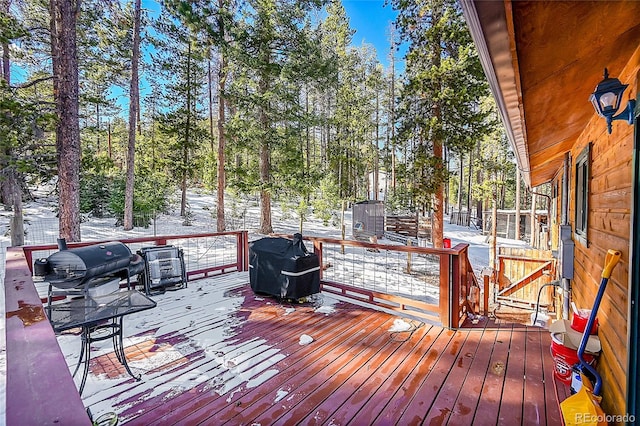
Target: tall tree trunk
x=460 y=179
x=187 y=138
x=210 y=94
x=11 y=190
x=438 y=205
x=64 y=58
x=479 y=179
x=265 y=195
x=222 y=81
x=134 y=97
x=17 y=221
x=308 y=132
x=376 y=171
x=447 y=184
x=392 y=106
x=109 y=144
x=97 y=126
x=265 y=165
x=6 y=56
x=468 y=217
x=222 y=78
x=438 y=213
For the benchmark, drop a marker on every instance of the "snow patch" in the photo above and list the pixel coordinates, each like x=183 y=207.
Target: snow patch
x=305 y=339
x=400 y=326
x=325 y=310
x=280 y=395
x=263 y=377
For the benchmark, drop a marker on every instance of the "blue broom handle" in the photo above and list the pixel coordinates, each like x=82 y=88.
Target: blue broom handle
x=611 y=259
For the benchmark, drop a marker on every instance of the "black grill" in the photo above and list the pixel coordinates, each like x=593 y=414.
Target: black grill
x=83 y=266
x=283 y=268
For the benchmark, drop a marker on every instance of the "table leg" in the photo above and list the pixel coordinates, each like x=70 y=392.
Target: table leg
x=119 y=350
x=86 y=354
x=80 y=358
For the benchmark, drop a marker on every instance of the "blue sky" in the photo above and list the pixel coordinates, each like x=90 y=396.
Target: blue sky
x=371 y=19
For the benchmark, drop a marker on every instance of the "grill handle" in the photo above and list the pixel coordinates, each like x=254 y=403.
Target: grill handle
x=62 y=244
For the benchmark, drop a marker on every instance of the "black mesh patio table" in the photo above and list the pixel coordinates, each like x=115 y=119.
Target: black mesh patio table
x=100 y=318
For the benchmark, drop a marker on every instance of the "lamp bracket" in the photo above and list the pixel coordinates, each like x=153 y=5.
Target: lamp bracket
x=627 y=113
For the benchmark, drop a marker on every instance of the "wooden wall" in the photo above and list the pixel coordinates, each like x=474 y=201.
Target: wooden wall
x=608 y=228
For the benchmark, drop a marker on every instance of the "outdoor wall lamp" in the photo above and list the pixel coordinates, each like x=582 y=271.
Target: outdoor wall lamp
x=606 y=100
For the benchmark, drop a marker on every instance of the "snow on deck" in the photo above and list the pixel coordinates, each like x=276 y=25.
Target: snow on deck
x=216 y=353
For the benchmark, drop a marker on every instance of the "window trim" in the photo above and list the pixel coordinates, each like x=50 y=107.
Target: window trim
x=582 y=192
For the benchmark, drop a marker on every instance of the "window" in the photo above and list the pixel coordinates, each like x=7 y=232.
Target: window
x=583 y=166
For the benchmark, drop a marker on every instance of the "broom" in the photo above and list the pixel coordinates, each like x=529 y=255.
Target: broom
x=584 y=407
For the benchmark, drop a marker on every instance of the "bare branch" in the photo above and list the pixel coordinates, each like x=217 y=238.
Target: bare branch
x=32 y=83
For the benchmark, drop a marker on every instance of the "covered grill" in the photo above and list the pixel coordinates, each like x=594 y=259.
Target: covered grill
x=83 y=267
x=283 y=268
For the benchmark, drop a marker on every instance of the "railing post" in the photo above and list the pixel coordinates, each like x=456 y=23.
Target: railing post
x=243 y=245
x=317 y=249
x=456 y=280
x=445 y=290
x=486 y=295
x=240 y=251
x=246 y=250
x=29 y=256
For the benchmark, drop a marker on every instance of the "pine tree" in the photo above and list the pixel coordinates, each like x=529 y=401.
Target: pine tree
x=440 y=97
x=134 y=105
x=181 y=60
x=273 y=56
x=64 y=57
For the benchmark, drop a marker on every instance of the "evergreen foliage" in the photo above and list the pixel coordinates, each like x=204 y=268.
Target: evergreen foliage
x=307 y=116
x=440 y=100
x=152 y=195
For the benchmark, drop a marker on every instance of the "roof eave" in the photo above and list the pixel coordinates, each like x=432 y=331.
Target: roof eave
x=500 y=64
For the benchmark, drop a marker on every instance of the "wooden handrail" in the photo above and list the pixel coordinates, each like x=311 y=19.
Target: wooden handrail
x=455 y=272
x=242 y=253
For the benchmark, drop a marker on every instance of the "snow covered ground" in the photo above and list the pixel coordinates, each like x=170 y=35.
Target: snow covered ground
x=41 y=225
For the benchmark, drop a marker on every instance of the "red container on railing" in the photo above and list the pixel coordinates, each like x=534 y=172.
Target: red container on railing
x=446 y=243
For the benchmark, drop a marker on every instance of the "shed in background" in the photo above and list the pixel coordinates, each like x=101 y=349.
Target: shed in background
x=368 y=219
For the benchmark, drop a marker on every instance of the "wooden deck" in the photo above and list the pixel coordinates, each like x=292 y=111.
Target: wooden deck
x=215 y=353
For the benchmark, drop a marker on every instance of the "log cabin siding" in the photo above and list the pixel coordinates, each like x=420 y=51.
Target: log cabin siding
x=609 y=217
x=543 y=60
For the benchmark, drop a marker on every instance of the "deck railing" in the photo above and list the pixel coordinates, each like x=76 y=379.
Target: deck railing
x=204 y=254
x=434 y=284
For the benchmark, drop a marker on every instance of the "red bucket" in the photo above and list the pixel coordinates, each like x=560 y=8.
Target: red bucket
x=565 y=358
x=579 y=321
x=446 y=243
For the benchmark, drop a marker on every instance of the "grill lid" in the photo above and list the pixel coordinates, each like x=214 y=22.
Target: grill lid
x=73 y=267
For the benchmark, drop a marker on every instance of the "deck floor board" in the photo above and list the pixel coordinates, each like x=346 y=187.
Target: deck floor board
x=512 y=400
x=464 y=408
x=216 y=353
